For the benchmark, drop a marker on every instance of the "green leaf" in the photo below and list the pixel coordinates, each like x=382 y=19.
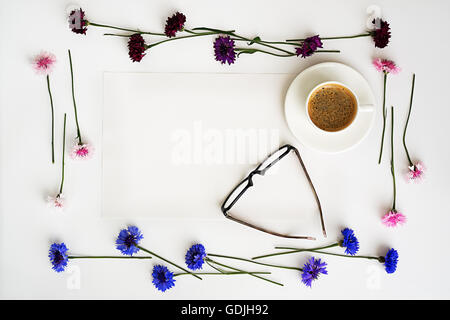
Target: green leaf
x=254 y=40
x=247 y=51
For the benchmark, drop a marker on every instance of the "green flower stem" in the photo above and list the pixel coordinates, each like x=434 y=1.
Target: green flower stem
x=407 y=120
x=219 y=273
x=249 y=273
x=214 y=267
x=118 y=35
x=216 y=31
x=346 y=256
x=74 y=104
x=63 y=156
x=53 y=119
x=294 y=250
x=163 y=41
x=262 y=44
x=290 y=54
x=252 y=261
x=334 y=38
x=106 y=257
x=154 y=254
x=327 y=51
x=253 y=50
x=258 y=41
x=384 y=116
x=123 y=29
x=392 y=157
x=270 y=42
x=180 y=37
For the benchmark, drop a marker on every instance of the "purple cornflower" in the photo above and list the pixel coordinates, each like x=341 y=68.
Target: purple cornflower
x=309 y=46
x=224 y=49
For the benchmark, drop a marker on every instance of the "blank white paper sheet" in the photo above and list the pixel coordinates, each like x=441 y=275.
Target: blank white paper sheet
x=175 y=144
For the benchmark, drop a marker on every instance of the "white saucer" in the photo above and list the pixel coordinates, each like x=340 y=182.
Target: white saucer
x=295 y=109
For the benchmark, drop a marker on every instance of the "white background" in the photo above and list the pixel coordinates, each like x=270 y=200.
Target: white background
x=354 y=190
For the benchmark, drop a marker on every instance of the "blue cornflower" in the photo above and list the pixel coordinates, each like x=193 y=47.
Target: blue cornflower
x=58 y=256
x=312 y=269
x=128 y=240
x=391 y=260
x=162 y=278
x=350 y=242
x=195 y=257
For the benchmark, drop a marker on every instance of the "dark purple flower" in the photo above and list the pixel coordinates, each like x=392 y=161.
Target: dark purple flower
x=309 y=46
x=77 y=22
x=381 y=34
x=174 y=23
x=136 y=47
x=312 y=269
x=224 y=49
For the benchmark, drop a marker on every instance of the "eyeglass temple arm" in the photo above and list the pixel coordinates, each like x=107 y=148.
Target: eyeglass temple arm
x=268 y=231
x=314 y=190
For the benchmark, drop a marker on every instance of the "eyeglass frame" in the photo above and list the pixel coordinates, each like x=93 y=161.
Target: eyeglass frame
x=262 y=172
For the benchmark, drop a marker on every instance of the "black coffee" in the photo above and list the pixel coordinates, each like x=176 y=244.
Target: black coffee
x=332 y=107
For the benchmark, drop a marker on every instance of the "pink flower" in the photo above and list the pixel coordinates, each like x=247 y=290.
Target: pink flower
x=56 y=202
x=416 y=172
x=393 y=219
x=44 y=62
x=384 y=65
x=82 y=151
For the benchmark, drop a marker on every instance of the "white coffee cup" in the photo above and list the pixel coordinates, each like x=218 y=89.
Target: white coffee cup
x=359 y=107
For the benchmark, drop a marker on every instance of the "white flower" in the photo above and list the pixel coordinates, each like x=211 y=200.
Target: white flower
x=416 y=172
x=56 y=202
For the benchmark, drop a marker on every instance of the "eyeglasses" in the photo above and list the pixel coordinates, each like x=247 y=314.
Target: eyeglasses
x=261 y=169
